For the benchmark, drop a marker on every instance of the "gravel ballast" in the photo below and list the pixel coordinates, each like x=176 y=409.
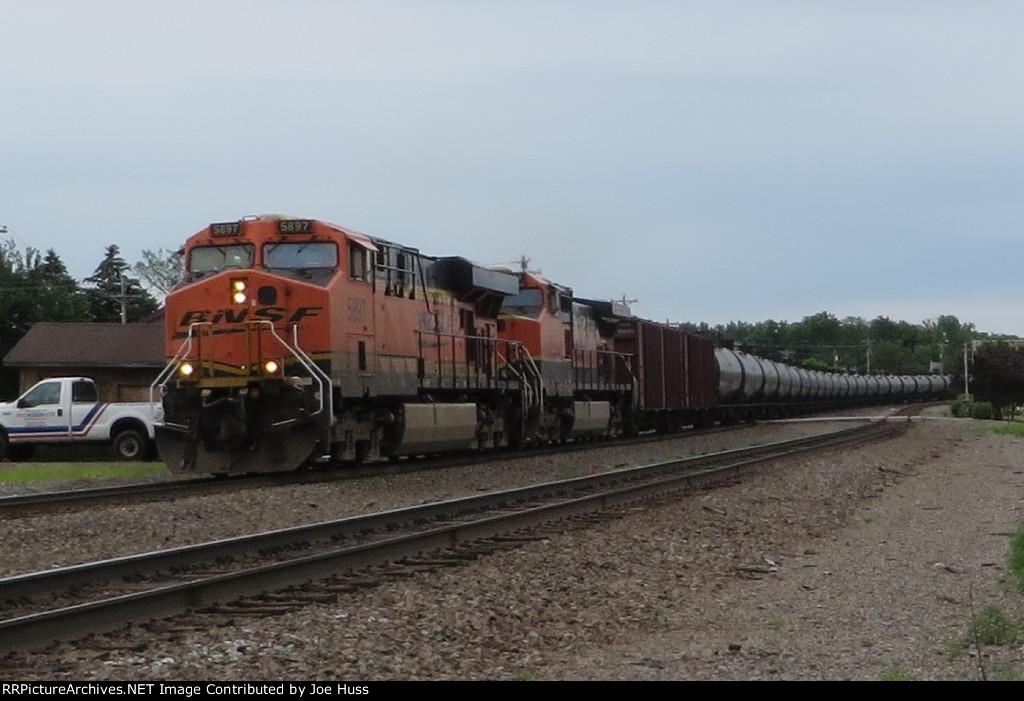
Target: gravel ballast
x=851 y=565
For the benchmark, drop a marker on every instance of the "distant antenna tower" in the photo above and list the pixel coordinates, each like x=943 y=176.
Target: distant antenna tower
x=524 y=265
x=621 y=306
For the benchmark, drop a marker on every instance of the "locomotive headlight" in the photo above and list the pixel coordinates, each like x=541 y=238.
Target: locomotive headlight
x=271 y=366
x=238 y=295
x=186 y=369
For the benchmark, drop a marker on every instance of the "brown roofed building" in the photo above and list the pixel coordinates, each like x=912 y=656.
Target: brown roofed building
x=123 y=359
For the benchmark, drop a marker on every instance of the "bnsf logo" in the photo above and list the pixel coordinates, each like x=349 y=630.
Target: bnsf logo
x=237 y=316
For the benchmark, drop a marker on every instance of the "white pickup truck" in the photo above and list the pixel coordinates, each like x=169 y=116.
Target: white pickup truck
x=67 y=410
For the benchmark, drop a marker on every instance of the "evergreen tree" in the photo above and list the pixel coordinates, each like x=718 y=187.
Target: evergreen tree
x=59 y=297
x=114 y=296
x=33 y=288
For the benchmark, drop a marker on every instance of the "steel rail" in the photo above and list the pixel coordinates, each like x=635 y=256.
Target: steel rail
x=28 y=504
x=72 y=621
x=19 y=586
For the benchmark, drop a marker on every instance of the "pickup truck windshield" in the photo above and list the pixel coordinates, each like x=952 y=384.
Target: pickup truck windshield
x=41 y=395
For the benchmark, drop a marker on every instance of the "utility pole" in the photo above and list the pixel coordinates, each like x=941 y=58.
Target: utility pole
x=967 y=384
x=124 y=301
x=123 y=297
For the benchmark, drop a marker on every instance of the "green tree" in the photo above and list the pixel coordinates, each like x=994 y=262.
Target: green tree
x=113 y=295
x=997 y=373
x=33 y=288
x=824 y=342
x=816 y=339
x=161 y=270
x=853 y=344
x=769 y=339
x=884 y=329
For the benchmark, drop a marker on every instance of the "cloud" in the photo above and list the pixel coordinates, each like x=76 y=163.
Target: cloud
x=715 y=160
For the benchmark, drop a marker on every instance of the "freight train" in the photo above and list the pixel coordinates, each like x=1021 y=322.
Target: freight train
x=293 y=341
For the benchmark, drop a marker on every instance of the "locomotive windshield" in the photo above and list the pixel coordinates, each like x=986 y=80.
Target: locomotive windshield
x=528 y=302
x=310 y=254
x=208 y=259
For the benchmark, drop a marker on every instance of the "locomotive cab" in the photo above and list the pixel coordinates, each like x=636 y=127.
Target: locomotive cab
x=581 y=396
x=294 y=340
x=240 y=393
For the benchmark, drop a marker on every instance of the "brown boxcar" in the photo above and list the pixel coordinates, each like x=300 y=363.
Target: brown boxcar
x=676 y=374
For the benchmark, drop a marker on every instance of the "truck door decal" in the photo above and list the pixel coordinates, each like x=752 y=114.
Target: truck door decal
x=79 y=430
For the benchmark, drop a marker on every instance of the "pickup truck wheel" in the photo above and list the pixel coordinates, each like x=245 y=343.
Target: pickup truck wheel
x=5 y=445
x=131 y=445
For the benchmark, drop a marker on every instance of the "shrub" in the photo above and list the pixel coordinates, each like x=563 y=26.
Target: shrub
x=973 y=410
x=983 y=410
x=992 y=627
x=897 y=674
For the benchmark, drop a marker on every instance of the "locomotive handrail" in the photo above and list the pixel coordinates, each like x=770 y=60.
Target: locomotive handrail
x=528 y=393
x=530 y=379
x=491 y=343
x=324 y=377
x=165 y=374
x=316 y=373
x=626 y=358
x=601 y=374
x=533 y=370
x=319 y=375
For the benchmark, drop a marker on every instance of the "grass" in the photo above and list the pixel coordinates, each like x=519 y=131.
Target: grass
x=897 y=674
x=955 y=649
x=1008 y=673
x=1012 y=428
x=20 y=473
x=54 y=462
x=1015 y=558
x=523 y=675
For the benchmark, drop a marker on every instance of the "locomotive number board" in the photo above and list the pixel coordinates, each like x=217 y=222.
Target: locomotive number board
x=295 y=226
x=233 y=228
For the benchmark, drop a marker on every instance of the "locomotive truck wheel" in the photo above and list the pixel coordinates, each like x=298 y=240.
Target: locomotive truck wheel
x=130 y=445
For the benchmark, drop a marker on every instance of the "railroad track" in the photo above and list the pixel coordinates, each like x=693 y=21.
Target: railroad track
x=226 y=576
x=70 y=500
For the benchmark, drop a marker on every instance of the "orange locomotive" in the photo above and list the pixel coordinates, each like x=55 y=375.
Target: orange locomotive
x=293 y=340
x=585 y=386
x=604 y=371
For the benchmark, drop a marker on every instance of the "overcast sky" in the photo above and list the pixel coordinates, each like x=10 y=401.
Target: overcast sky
x=714 y=160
